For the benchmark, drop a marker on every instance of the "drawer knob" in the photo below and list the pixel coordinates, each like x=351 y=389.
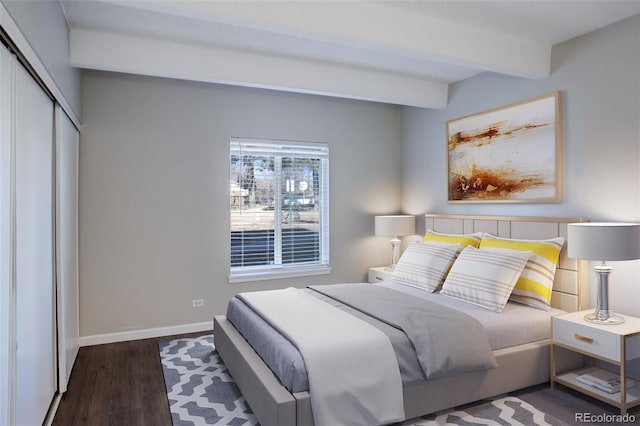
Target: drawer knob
x=583 y=338
x=379 y=278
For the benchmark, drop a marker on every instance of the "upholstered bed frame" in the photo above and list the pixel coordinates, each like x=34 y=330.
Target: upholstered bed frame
x=275 y=405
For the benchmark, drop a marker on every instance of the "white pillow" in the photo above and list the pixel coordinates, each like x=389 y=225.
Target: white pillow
x=425 y=265
x=485 y=277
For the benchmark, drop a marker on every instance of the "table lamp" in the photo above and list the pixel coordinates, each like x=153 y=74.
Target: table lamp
x=395 y=225
x=603 y=241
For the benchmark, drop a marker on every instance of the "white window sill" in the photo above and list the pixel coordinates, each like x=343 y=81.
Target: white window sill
x=274 y=274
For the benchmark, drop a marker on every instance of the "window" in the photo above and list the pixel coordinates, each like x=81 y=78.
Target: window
x=279 y=203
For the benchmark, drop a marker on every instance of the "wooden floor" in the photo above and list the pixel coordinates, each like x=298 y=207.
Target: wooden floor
x=117 y=384
x=122 y=384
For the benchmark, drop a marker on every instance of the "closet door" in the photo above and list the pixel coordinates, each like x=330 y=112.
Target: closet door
x=6 y=251
x=66 y=245
x=35 y=384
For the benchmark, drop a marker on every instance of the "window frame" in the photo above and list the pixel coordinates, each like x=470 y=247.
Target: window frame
x=279 y=149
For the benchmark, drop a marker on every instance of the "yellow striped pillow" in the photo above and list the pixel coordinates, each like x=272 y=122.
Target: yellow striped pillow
x=536 y=281
x=464 y=240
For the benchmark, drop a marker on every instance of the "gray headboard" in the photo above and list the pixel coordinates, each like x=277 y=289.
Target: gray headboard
x=570 y=287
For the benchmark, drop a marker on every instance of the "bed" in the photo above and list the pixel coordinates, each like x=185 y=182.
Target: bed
x=520 y=363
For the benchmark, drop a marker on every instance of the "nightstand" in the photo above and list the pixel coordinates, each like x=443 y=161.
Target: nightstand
x=615 y=344
x=380 y=274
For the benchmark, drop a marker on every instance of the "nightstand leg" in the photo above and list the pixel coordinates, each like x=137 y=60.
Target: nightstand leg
x=623 y=377
x=553 y=367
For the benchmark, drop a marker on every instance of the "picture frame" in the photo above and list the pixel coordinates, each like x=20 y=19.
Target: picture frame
x=509 y=154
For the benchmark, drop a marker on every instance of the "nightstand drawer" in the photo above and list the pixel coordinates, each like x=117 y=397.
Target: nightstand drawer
x=587 y=339
x=379 y=275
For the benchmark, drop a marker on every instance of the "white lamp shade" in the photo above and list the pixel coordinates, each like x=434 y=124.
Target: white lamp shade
x=395 y=225
x=603 y=241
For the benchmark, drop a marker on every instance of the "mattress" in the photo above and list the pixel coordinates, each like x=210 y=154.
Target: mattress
x=516 y=325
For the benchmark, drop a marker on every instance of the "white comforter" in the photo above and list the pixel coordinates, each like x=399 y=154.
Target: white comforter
x=354 y=377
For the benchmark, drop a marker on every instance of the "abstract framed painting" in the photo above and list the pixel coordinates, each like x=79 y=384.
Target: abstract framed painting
x=510 y=154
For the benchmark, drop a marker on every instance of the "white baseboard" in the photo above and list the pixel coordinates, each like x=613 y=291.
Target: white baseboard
x=147 y=333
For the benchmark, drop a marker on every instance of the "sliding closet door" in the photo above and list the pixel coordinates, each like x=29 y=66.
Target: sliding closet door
x=66 y=245
x=6 y=251
x=35 y=362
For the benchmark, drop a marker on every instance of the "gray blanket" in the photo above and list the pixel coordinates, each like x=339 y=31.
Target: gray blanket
x=446 y=341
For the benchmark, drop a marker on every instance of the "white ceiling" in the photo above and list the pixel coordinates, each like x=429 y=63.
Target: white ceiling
x=396 y=51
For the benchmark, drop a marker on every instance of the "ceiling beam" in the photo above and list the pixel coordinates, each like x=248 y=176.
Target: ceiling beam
x=374 y=25
x=145 y=56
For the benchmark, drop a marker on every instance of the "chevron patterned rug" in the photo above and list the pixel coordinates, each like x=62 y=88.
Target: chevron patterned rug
x=202 y=392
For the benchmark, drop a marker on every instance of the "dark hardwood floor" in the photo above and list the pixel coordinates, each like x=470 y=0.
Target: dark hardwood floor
x=117 y=384
x=122 y=384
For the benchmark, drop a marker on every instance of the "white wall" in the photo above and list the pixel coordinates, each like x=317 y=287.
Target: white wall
x=154 y=214
x=599 y=78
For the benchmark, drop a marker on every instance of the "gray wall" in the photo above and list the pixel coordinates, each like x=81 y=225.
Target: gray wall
x=154 y=166
x=43 y=24
x=598 y=76
x=154 y=214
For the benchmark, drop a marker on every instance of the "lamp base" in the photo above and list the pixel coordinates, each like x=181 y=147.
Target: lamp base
x=602 y=315
x=604 y=318
x=395 y=244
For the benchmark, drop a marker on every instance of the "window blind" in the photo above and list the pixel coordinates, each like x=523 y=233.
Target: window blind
x=279 y=205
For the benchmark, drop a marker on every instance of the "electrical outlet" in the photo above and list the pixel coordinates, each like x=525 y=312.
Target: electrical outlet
x=197 y=303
